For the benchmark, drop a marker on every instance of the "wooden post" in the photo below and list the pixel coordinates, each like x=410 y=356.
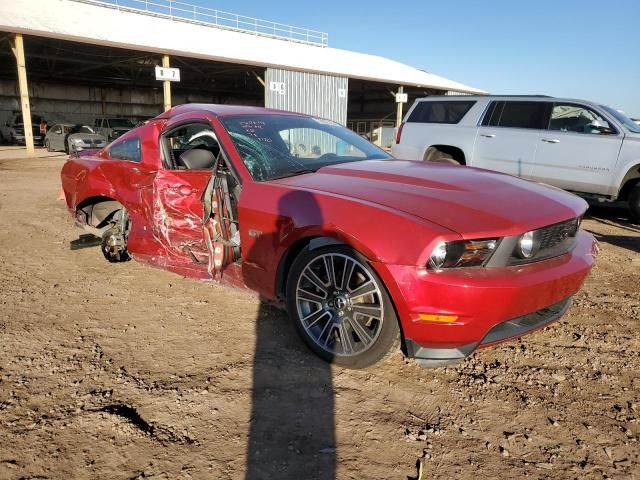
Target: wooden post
x=18 y=51
x=166 y=85
x=399 y=109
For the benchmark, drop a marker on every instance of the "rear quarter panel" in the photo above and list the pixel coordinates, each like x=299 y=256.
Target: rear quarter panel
x=418 y=137
x=82 y=178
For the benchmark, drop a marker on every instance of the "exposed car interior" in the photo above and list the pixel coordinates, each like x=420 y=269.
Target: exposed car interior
x=195 y=146
x=191 y=147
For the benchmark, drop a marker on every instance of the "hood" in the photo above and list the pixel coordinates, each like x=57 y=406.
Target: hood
x=473 y=202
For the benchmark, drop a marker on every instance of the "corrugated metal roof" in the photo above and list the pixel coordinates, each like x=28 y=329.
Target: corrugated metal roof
x=89 y=23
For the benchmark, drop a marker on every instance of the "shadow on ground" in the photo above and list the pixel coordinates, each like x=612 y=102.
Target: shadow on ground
x=615 y=216
x=292 y=429
x=291 y=434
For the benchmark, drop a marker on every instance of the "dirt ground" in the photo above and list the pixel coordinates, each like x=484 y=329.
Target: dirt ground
x=124 y=371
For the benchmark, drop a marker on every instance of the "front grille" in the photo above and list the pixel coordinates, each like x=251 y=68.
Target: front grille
x=551 y=236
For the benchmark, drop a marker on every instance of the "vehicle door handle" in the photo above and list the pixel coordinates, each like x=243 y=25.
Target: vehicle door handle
x=488 y=135
x=551 y=140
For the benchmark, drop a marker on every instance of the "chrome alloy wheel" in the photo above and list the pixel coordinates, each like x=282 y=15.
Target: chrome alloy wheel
x=339 y=304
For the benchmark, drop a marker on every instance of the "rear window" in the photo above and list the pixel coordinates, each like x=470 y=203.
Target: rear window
x=126 y=150
x=517 y=115
x=440 y=112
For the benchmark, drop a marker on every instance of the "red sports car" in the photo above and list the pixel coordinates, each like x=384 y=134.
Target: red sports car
x=363 y=249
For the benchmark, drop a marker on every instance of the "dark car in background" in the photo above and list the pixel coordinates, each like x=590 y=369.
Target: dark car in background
x=12 y=131
x=112 y=128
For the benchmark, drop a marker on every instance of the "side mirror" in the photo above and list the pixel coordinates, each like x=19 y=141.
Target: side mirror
x=601 y=125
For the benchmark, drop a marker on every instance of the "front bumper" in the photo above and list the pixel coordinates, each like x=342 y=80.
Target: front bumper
x=491 y=304
x=514 y=328
x=79 y=148
x=21 y=139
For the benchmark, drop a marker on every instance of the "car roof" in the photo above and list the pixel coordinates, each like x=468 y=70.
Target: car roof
x=223 y=110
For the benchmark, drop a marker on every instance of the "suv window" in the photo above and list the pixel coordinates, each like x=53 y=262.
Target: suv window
x=446 y=111
x=517 y=115
x=128 y=149
x=567 y=117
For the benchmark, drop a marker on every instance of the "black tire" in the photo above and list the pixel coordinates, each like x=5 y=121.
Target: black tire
x=370 y=340
x=48 y=146
x=114 y=246
x=67 y=148
x=634 y=203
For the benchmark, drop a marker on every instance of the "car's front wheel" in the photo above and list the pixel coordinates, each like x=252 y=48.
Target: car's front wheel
x=48 y=146
x=340 y=306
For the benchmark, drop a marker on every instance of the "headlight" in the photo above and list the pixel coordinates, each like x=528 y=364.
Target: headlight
x=78 y=141
x=527 y=245
x=462 y=253
x=578 y=223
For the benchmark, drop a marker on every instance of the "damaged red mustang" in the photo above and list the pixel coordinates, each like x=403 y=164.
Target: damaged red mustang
x=361 y=248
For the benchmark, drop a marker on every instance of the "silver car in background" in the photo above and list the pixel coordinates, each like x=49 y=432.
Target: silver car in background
x=71 y=138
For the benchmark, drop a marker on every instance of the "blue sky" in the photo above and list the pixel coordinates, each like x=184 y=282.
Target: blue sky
x=582 y=49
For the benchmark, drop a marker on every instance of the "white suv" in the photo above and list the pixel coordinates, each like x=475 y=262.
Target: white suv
x=586 y=148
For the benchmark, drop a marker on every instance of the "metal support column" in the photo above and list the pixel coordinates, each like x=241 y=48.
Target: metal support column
x=399 y=109
x=18 y=50
x=166 y=85
x=264 y=86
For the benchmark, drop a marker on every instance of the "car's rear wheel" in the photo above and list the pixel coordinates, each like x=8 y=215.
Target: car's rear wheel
x=634 y=203
x=340 y=306
x=48 y=146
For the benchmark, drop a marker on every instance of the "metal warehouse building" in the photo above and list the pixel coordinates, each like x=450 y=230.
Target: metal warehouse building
x=88 y=58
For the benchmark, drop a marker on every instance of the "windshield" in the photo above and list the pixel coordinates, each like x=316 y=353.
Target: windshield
x=278 y=146
x=82 y=129
x=120 y=123
x=623 y=119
